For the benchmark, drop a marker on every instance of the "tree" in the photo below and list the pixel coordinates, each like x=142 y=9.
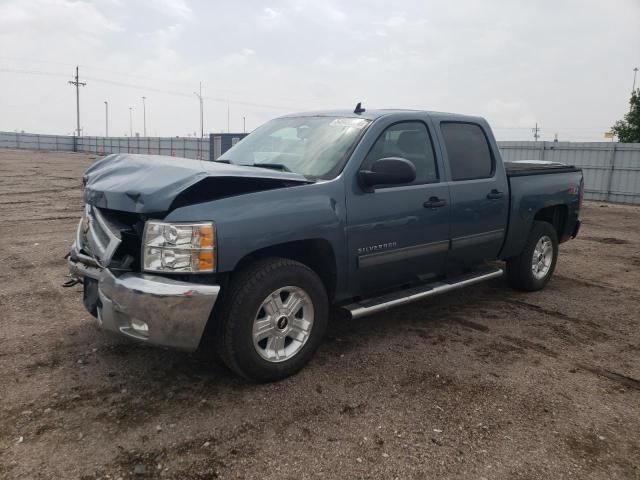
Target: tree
x=628 y=130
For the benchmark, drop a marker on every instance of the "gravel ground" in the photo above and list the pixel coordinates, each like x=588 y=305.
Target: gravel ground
x=490 y=383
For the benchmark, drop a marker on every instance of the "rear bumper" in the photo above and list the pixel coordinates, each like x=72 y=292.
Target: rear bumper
x=149 y=308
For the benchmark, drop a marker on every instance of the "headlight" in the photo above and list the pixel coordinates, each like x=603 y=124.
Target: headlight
x=179 y=247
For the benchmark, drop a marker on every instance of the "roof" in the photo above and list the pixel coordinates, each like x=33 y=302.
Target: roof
x=377 y=113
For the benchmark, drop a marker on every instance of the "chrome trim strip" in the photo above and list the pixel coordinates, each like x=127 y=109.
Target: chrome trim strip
x=405 y=253
x=358 y=311
x=80 y=269
x=78 y=243
x=102 y=252
x=476 y=238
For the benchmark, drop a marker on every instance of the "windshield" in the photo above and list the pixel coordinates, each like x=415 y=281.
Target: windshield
x=315 y=147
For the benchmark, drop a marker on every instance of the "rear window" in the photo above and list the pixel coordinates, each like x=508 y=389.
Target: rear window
x=467 y=150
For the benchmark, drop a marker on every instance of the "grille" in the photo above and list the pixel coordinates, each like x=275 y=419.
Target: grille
x=101 y=238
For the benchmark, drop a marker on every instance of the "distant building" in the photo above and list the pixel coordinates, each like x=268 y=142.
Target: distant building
x=221 y=142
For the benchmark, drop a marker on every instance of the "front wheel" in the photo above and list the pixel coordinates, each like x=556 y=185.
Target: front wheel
x=273 y=319
x=533 y=268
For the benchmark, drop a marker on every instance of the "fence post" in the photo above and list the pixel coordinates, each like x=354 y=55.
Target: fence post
x=612 y=167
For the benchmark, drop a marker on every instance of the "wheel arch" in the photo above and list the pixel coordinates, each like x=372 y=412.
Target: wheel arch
x=316 y=253
x=557 y=216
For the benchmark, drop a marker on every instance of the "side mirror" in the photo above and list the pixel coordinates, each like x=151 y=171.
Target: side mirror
x=387 y=171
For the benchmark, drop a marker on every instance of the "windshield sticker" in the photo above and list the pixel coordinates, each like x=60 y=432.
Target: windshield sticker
x=349 y=122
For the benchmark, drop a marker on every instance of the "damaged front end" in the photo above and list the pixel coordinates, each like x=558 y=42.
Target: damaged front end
x=104 y=239
x=157 y=303
x=154 y=309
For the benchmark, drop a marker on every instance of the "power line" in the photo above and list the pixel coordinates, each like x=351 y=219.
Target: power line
x=154 y=89
x=77 y=84
x=128 y=74
x=594 y=129
x=32 y=72
x=583 y=130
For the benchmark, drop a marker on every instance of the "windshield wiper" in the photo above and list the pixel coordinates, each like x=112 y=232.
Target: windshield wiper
x=273 y=166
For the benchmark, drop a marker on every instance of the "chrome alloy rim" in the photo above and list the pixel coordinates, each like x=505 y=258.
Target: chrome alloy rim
x=542 y=257
x=283 y=324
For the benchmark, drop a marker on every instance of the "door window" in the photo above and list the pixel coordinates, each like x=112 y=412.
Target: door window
x=467 y=150
x=408 y=140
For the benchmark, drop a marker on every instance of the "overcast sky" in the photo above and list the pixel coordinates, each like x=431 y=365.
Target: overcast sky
x=565 y=64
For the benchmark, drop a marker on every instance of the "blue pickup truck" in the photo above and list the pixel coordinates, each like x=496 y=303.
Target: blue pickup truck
x=358 y=210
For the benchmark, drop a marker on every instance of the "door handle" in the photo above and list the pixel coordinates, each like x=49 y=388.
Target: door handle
x=434 y=202
x=494 y=194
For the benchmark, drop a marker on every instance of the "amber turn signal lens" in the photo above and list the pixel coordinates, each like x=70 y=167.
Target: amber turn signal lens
x=206 y=261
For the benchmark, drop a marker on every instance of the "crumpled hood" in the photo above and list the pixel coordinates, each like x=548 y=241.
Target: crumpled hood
x=152 y=183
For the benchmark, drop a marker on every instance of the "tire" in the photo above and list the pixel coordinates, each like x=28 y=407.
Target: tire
x=522 y=274
x=251 y=302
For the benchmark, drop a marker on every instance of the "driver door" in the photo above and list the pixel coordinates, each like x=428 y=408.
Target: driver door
x=399 y=234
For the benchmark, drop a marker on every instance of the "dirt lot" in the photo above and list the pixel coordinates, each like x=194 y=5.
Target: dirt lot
x=489 y=383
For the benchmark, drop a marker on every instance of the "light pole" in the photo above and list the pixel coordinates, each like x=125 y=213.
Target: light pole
x=244 y=124
x=144 y=116
x=131 y=121
x=106 y=118
x=199 y=95
x=635 y=72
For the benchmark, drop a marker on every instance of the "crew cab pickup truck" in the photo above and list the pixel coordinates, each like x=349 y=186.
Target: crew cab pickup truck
x=357 y=210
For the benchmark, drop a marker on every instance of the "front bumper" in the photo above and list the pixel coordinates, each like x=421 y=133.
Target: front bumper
x=150 y=308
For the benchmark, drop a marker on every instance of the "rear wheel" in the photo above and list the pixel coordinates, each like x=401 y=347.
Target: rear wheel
x=533 y=268
x=272 y=320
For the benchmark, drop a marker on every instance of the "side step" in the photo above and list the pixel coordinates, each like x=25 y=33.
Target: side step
x=385 y=302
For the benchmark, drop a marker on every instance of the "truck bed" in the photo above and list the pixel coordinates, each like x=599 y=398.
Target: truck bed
x=522 y=168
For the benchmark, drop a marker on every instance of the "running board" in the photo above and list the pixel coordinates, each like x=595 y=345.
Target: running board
x=385 y=302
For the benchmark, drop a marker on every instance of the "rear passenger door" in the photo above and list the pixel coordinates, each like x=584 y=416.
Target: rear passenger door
x=479 y=192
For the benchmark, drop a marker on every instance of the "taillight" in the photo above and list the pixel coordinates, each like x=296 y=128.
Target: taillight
x=581 y=192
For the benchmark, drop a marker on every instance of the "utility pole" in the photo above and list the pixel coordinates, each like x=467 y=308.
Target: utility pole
x=144 y=117
x=244 y=124
x=199 y=95
x=536 y=132
x=106 y=118
x=131 y=121
x=635 y=72
x=77 y=83
x=228 y=118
